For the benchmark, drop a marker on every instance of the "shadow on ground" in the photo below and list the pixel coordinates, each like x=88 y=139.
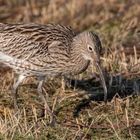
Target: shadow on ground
x=118 y=86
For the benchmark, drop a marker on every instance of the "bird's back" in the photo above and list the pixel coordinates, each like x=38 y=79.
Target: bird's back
x=26 y=46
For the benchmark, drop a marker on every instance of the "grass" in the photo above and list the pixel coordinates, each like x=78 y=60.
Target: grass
x=79 y=110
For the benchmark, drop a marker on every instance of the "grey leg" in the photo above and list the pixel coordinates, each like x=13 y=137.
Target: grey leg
x=15 y=89
x=63 y=84
x=47 y=108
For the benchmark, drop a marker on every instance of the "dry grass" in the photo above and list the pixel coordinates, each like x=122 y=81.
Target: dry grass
x=79 y=109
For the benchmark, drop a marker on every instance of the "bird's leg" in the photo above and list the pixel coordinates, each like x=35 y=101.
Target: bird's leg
x=15 y=89
x=63 y=84
x=40 y=91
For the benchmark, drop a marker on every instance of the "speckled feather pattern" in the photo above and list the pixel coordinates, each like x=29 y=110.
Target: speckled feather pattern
x=34 y=49
x=47 y=51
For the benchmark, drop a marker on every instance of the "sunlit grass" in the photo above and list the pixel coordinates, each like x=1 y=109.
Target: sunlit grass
x=78 y=115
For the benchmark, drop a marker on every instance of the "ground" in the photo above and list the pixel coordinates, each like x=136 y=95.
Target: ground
x=80 y=112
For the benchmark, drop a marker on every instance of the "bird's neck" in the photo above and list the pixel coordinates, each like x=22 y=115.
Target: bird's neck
x=78 y=63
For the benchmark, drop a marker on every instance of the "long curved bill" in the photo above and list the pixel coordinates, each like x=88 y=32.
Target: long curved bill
x=102 y=80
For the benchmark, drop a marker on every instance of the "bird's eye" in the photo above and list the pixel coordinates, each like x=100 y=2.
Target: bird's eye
x=90 y=48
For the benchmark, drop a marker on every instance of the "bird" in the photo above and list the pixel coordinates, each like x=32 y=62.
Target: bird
x=48 y=50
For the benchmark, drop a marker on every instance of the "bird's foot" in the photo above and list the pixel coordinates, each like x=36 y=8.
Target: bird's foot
x=49 y=112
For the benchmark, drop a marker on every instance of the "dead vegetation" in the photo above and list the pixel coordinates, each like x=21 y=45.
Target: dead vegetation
x=79 y=109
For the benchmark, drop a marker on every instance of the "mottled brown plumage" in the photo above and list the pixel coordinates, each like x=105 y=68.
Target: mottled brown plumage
x=47 y=50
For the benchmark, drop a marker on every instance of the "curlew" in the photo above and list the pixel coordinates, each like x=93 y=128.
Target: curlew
x=47 y=51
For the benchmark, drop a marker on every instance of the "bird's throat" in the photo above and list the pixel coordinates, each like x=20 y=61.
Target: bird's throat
x=78 y=65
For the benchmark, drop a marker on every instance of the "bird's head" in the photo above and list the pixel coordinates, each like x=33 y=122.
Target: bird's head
x=90 y=48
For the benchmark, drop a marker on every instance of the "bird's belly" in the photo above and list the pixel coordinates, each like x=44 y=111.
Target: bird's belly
x=28 y=68
x=18 y=65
